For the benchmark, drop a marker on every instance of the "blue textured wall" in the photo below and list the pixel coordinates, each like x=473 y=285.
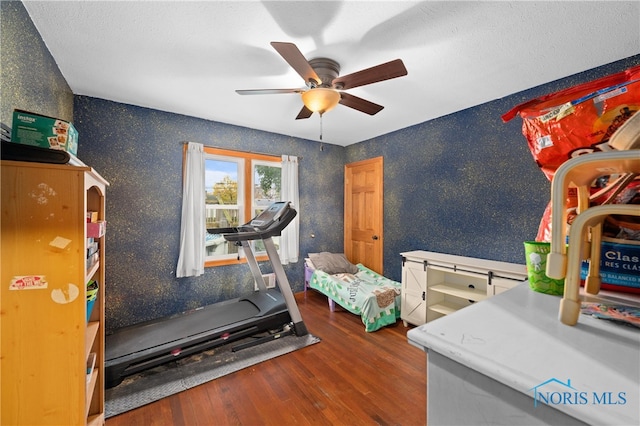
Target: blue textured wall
x=139 y=151
x=30 y=78
x=463 y=184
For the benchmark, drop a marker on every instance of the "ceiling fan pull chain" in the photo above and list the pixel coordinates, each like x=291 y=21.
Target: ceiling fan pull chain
x=321 y=144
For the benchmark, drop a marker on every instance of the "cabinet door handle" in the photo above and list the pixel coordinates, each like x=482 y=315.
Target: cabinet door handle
x=375 y=237
x=424 y=295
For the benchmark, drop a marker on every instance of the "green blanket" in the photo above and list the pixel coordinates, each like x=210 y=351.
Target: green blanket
x=368 y=294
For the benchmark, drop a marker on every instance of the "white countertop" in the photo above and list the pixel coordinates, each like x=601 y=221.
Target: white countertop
x=516 y=339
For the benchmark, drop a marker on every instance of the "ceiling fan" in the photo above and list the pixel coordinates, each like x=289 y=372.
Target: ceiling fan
x=324 y=88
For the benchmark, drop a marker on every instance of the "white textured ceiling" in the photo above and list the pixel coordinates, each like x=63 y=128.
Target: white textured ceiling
x=189 y=57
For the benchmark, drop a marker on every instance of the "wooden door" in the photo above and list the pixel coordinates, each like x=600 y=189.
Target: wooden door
x=363 y=213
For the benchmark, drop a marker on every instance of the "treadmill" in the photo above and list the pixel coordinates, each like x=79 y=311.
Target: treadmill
x=132 y=349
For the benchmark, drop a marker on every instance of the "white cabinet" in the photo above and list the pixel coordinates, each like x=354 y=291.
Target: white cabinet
x=498 y=285
x=451 y=289
x=413 y=299
x=437 y=284
x=495 y=364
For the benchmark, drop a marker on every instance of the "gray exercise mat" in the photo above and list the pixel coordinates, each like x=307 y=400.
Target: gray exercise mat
x=173 y=377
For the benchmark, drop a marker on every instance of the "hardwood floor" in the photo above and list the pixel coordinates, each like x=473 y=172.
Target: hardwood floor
x=350 y=378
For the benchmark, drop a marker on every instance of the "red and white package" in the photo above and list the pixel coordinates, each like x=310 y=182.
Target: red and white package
x=578 y=120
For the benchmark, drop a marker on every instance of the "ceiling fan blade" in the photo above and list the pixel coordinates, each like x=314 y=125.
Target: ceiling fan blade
x=359 y=104
x=304 y=113
x=375 y=74
x=296 y=59
x=267 y=91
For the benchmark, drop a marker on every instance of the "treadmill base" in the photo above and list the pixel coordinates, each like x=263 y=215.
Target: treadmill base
x=143 y=346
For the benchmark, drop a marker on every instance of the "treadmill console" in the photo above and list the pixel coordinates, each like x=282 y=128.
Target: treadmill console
x=267 y=224
x=265 y=219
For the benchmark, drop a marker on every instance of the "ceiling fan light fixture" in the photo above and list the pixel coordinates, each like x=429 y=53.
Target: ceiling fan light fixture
x=320 y=99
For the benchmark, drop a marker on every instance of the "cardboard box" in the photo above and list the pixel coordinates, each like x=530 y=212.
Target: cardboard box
x=619 y=266
x=92 y=216
x=46 y=132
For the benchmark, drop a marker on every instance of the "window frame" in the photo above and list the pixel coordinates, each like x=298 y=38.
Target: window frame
x=247 y=181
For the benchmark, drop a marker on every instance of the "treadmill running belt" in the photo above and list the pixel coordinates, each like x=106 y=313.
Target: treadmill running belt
x=157 y=333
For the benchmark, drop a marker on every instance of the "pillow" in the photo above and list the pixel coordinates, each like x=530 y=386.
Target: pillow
x=333 y=263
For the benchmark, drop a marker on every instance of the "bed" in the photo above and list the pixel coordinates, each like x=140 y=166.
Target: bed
x=356 y=288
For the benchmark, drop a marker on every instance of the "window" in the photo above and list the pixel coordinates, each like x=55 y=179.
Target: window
x=238 y=186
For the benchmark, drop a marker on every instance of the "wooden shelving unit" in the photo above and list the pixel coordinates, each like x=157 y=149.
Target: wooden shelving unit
x=46 y=337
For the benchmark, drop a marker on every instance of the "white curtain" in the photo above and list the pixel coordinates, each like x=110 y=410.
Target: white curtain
x=289 y=240
x=193 y=225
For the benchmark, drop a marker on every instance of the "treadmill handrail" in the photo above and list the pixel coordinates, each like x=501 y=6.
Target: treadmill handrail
x=221 y=230
x=248 y=233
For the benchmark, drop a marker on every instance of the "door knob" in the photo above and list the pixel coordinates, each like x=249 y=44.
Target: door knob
x=375 y=237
